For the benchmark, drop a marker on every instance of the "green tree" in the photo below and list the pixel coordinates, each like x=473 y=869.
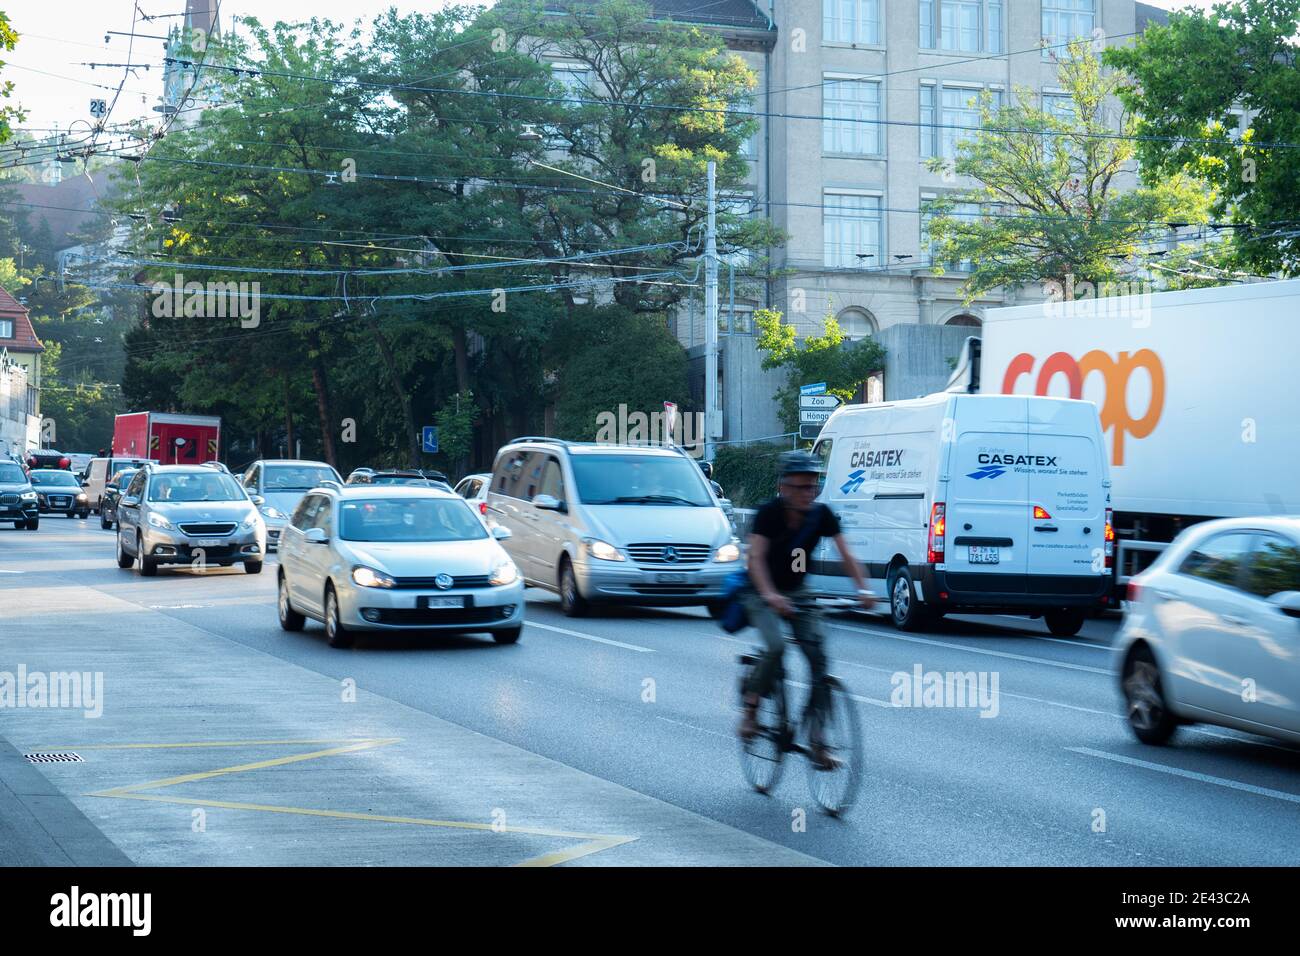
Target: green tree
x=8 y=114
x=1053 y=189
x=1187 y=79
x=828 y=358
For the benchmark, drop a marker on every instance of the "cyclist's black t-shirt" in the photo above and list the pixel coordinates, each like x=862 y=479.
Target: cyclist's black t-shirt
x=770 y=522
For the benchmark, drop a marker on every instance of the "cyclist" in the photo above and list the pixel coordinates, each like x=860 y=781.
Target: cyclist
x=785 y=531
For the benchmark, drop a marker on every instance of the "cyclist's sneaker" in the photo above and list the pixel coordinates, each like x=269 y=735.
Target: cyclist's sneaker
x=748 y=728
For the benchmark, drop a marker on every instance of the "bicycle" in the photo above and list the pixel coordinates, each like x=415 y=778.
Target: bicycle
x=761 y=756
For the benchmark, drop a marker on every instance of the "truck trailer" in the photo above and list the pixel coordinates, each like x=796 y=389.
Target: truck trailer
x=167 y=438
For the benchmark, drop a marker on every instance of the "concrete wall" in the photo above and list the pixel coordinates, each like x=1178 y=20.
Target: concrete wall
x=18 y=430
x=917 y=358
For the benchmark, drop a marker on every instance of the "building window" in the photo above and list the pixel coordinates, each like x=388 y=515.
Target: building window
x=6 y=328
x=851 y=21
x=852 y=229
x=852 y=110
x=1066 y=20
x=967 y=26
x=574 y=77
x=1059 y=106
x=963 y=210
x=949 y=114
x=742 y=207
x=856 y=323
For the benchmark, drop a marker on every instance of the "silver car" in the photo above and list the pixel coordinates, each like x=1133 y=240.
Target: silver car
x=602 y=523
x=281 y=484
x=1212 y=632
x=188 y=514
x=393 y=558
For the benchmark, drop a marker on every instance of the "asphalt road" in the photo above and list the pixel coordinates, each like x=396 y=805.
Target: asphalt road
x=646 y=699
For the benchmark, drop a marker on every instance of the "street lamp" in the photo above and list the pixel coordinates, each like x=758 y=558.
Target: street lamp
x=712 y=414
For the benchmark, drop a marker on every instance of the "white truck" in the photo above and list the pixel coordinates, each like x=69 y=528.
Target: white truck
x=1198 y=393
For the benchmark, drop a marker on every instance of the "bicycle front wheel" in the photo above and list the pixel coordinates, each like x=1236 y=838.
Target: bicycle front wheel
x=761 y=755
x=841 y=731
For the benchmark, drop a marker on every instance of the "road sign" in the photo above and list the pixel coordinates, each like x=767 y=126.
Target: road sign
x=430 y=444
x=809 y=432
x=818 y=388
x=813 y=416
x=818 y=401
x=98 y=109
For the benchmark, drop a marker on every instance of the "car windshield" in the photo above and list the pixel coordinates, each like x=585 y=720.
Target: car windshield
x=207 y=485
x=122 y=478
x=12 y=474
x=56 y=478
x=639 y=480
x=296 y=477
x=409 y=519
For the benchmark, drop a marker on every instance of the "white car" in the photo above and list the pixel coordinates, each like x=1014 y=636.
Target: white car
x=474 y=489
x=1212 y=632
x=393 y=558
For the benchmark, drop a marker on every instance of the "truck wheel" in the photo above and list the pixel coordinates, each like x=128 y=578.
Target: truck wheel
x=1145 y=704
x=1064 y=623
x=571 y=600
x=904 y=609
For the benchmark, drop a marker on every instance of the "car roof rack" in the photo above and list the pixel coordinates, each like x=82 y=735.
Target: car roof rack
x=523 y=439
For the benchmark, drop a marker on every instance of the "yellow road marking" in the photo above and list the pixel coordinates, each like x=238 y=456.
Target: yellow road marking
x=206 y=743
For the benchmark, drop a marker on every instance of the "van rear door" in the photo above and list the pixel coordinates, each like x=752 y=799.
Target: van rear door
x=988 y=488
x=1066 y=519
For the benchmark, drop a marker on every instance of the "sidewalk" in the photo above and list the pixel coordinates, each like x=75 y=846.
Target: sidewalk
x=211 y=753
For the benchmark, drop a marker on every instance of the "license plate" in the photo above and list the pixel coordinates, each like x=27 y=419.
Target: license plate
x=672 y=577
x=439 y=602
x=206 y=543
x=982 y=555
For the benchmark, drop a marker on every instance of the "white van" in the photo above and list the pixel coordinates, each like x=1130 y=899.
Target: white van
x=971 y=504
x=99 y=471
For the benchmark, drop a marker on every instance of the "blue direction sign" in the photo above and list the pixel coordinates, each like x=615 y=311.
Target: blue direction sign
x=430 y=446
x=817 y=389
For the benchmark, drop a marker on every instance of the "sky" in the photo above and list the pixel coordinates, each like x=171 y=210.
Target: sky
x=57 y=37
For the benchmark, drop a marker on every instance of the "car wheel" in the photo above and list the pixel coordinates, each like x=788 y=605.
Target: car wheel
x=33 y=524
x=124 y=560
x=290 y=619
x=1148 y=711
x=571 y=600
x=104 y=522
x=1064 y=623
x=148 y=565
x=508 y=636
x=715 y=609
x=335 y=633
x=252 y=567
x=904 y=609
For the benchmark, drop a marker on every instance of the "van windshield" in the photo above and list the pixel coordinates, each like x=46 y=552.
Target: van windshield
x=639 y=480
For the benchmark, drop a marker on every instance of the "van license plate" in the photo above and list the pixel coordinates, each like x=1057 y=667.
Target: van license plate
x=982 y=555
x=671 y=577
x=439 y=602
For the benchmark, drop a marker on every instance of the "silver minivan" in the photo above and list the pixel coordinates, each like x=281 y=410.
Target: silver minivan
x=606 y=524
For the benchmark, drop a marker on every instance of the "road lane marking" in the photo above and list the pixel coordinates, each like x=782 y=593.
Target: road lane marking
x=590 y=637
x=3 y=571
x=1189 y=774
x=213 y=743
x=703 y=730
x=1065 y=665
x=861 y=700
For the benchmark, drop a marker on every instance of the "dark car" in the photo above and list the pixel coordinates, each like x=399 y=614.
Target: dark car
x=112 y=492
x=58 y=493
x=17 y=497
x=402 y=476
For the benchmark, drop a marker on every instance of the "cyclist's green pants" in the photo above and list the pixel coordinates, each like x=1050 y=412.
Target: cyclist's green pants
x=806 y=623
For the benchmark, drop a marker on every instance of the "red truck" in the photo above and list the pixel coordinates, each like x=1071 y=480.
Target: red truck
x=166 y=438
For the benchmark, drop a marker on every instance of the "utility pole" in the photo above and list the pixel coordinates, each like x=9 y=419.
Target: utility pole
x=712 y=416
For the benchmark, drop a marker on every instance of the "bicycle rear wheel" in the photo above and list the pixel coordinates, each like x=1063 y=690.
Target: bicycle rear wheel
x=761 y=756
x=841 y=732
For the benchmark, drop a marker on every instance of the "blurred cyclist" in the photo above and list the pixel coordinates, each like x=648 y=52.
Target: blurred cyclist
x=785 y=531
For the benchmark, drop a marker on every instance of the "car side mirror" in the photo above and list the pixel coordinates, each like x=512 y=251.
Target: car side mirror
x=502 y=533
x=257 y=500
x=130 y=501
x=549 y=503
x=317 y=536
x=1288 y=602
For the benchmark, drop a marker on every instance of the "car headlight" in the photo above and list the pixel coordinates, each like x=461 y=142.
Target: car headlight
x=249 y=523
x=370 y=578
x=271 y=511
x=602 y=549
x=504 y=573
x=728 y=552
x=158 y=521
x=81 y=497
x=29 y=496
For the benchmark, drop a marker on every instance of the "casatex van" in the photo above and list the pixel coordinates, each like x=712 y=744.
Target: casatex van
x=970 y=504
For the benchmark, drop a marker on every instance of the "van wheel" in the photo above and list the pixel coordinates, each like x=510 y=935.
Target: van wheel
x=905 y=610
x=1147 y=709
x=1064 y=623
x=571 y=600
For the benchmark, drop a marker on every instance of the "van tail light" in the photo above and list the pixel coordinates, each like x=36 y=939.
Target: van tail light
x=934 y=550
x=482 y=507
x=1109 y=547
x=1040 y=512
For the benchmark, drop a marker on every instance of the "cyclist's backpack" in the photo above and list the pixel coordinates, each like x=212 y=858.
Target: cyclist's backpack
x=734 y=616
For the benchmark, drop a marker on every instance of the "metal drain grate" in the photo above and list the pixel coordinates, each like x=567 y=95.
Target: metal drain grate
x=54 y=758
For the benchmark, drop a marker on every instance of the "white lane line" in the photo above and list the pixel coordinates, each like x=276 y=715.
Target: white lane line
x=703 y=730
x=975 y=650
x=861 y=700
x=3 y=571
x=590 y=637
x=1189 y=774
